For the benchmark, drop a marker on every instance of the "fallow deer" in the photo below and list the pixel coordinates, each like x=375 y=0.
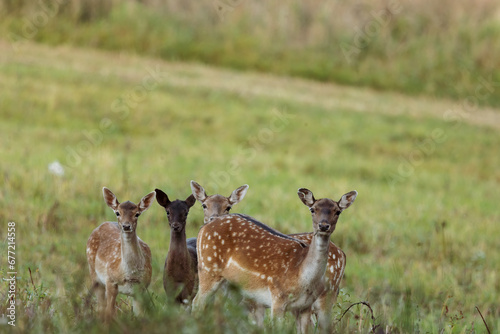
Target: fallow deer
x=216 y=205
x=119 y=261
x=272 y=269
x=181 y=266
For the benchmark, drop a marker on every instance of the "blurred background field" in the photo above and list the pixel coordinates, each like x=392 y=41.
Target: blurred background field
x=104 y=89
x=418 y=47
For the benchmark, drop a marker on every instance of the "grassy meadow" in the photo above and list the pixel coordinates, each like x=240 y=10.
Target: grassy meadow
x=425 y=47
x=421 y=239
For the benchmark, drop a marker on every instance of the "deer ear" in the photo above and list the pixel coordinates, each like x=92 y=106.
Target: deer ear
x=347 y=200
x=306 y=196
x=162 y=198
x=190 y=200
x=198 y=192
x=110 y=199
x=146 y=201
x=238 y=194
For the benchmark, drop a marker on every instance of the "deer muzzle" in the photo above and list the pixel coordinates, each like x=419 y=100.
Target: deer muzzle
x=324 y=226
x=176 y=226
x=127 y=227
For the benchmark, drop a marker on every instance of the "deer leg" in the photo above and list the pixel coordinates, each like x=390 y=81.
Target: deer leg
x=323 y=306
x=277 y=312
x=136 y=307
x=206 y=289
x=302 y=320
x=259 y=312
x=100 y=292
x=111 y=293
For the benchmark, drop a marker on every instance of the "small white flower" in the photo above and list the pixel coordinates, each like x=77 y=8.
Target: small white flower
x=56 y=168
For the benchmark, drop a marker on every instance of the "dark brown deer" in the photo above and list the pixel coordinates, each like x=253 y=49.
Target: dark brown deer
x=272 y=269
x=181 y=266
x=119 y=261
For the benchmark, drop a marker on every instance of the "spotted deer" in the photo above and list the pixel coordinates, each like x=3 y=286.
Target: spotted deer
x=216 y=205
x=181 y=265
x=119 y=261
x=272 y=269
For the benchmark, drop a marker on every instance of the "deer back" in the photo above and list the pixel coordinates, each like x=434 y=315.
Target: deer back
x=238 y=245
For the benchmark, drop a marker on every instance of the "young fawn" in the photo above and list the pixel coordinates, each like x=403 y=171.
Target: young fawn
x=272 y=270
x=119 y=262
x=181 y=266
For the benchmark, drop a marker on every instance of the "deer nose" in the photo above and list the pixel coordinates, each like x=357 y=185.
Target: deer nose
x=177 y=226
x=127 y=227
x=324 y=226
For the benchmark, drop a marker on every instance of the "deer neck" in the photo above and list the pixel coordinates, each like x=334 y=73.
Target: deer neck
x=178 y=238
x=132 y=256
x=314 y=264
x=178 y=248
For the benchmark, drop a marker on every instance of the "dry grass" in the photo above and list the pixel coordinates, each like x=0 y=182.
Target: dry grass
x=421 y=47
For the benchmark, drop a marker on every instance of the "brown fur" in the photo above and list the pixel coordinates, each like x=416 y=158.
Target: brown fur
x=271 y=269
x=119 y=261
x=180 y=273
x=217 y=205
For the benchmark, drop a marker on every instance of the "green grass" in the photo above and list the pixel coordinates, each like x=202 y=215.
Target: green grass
x=432 y=48
x=420 y=239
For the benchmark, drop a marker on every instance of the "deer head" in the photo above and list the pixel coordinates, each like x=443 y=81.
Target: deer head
x=325 y=212
x=177 y=210
x=127 y=212
x=217 y=205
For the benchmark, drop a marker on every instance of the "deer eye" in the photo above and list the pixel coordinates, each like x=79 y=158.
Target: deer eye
x=228 y=208
x=203 y=206
x=338 y=212
x=312 y=210
x=117 y=213
x=137 y=215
